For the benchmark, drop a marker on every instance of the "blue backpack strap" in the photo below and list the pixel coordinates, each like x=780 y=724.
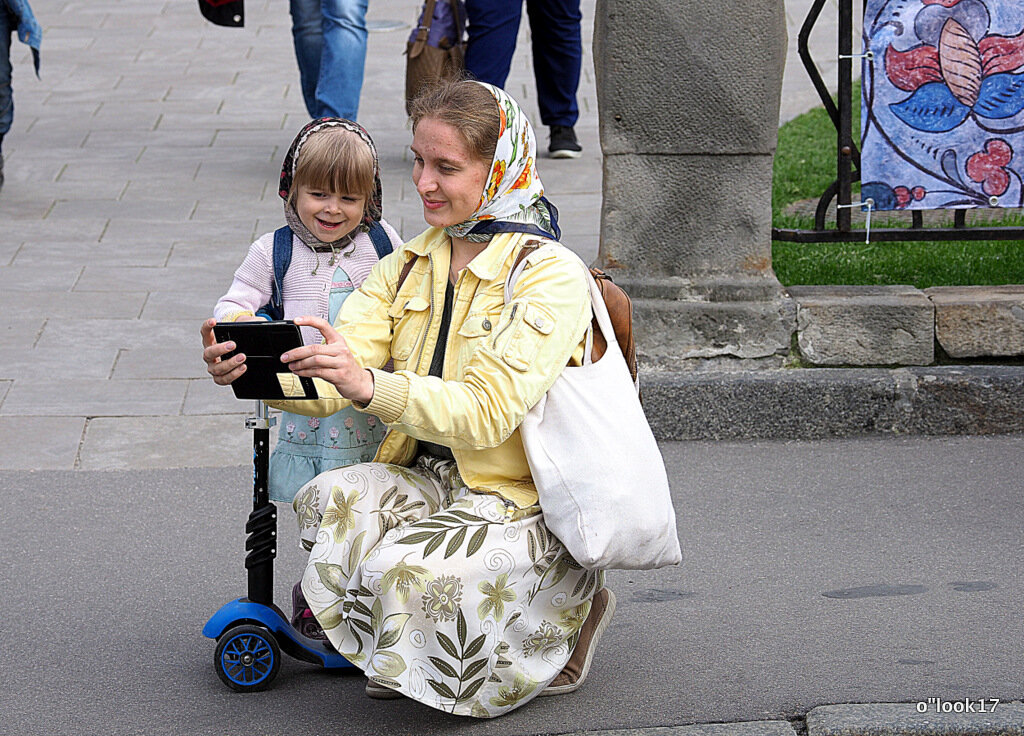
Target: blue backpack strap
x=274 y=309
x=381 y=241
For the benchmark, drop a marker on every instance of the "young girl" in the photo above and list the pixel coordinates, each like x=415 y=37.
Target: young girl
x=330 y=185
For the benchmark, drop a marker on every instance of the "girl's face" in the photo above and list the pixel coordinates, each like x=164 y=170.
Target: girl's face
x=449 y=177
x=328 y=215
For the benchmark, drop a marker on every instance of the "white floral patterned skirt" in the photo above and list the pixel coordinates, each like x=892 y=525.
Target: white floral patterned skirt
x=452 y=597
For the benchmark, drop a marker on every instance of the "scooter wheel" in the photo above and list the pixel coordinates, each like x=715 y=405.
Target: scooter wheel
x=247 y=658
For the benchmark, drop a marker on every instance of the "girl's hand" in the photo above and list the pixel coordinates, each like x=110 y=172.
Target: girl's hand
x=331 y=361
x=223 y=371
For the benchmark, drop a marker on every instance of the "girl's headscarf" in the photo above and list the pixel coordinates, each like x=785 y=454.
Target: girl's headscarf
x=373 y=208
x=513 y=197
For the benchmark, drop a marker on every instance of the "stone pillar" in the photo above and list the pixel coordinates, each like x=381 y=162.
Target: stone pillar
x=688 y=94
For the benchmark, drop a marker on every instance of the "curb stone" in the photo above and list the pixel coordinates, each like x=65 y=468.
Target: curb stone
x=746 y=728
x=904 y=719
x=817 y=403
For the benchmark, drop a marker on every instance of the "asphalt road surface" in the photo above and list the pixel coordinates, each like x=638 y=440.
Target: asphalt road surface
x=867 y=570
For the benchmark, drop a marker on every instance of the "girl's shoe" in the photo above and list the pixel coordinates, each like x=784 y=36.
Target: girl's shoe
x=577 y=668
x=303 y=619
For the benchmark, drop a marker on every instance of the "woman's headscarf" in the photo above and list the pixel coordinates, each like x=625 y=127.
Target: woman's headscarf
x=513 y=197
x=373 y=208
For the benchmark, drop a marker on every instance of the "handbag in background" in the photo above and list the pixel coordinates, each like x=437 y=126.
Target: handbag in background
x=597 y=467
x=436 y=50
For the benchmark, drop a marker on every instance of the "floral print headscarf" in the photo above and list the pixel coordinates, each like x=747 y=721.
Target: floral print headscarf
x=513 y=197
x=373 y=209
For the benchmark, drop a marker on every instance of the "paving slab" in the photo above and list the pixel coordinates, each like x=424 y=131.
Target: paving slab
x=203 y=396
x=31 y=363
x=94 y=398
x=64 y=305
x=27 y=278
x=148 y=362
x=139 y=278
x=143 y=253
x=192 y=304
x=39 y=443
x=122 y=334
x=20 y=333
x=122 y=443
x=952 y=714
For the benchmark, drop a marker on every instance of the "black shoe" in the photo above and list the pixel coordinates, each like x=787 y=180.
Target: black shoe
x=1 y=171
x=564 y=143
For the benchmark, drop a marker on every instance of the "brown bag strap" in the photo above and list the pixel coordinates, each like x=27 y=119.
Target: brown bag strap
x=460 y=24
x=426 y=20
x=405 y=273
x=617 y=300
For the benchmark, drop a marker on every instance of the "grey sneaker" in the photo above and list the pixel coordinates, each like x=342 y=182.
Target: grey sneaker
x=564 y=143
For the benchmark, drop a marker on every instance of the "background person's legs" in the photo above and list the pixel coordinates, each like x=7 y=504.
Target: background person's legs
x=7 y=27
x=307 y=36
x=557 y=58
x=342 y=58
x=493 y=27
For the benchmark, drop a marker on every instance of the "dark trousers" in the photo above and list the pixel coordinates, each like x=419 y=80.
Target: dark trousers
x=557 y=50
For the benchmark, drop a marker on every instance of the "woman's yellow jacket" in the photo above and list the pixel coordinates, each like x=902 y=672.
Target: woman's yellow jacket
x=500 y=358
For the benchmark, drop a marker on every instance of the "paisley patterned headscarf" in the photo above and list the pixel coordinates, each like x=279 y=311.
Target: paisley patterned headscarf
x=513 y=197
x=373 y=209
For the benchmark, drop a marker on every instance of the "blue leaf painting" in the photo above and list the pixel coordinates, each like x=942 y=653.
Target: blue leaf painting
x=933 y=109
x=882 y=194
x=1001 y=96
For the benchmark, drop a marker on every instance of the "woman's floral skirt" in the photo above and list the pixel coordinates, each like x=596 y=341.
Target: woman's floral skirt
x=455 y=598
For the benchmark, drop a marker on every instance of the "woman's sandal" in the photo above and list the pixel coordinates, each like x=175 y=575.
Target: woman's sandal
x=577 y=668
x=381 y=692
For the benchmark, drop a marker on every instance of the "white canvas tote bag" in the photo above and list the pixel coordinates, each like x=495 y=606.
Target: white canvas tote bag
x=598 y=470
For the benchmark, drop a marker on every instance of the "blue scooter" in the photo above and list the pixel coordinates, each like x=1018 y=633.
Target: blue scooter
x=252 y=632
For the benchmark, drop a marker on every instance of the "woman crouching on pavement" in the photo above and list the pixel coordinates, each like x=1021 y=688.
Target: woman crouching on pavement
x=432 y=568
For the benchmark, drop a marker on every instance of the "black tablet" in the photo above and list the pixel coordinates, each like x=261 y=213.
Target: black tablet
x=263 y=343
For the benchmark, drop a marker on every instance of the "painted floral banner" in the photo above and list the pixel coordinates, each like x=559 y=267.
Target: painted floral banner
x=942 y=117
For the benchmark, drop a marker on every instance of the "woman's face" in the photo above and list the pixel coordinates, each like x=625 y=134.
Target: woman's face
x=449 y=177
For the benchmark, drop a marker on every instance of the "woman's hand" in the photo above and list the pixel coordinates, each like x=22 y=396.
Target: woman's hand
x=223 y=371
x=331 y=361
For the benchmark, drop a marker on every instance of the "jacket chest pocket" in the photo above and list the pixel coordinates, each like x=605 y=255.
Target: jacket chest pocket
x=408 y=324
x=476 y=327
x=528 y=328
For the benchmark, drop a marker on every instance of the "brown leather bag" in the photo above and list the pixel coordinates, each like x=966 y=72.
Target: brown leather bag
x=617 y=301
x=620 y=310
x=425 y=64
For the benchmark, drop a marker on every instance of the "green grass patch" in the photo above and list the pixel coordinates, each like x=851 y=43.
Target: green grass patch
x=805 y=164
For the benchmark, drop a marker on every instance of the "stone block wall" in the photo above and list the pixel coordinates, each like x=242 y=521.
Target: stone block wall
x=901 y=325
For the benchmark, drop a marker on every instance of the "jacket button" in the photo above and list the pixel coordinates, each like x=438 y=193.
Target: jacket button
x=539 y=323
x=487 y=324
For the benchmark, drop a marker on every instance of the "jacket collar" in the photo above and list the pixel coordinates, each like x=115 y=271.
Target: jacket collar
x=487 y=265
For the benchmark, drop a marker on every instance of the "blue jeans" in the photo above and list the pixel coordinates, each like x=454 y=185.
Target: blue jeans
x=330 y=47
x=557 y=50
x=7 y=27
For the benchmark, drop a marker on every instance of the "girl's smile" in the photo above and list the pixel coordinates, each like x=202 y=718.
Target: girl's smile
x=328 y=215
